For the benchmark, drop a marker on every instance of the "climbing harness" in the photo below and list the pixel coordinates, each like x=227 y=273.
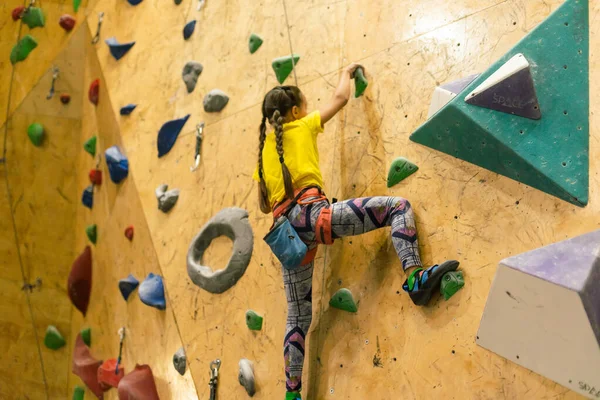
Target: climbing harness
x=199 y=130
x=55 y=72
x=100 y=18
x=214 y=378
x=121 y=338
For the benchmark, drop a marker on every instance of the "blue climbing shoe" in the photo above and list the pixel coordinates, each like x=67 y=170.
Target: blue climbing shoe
x=421 y=283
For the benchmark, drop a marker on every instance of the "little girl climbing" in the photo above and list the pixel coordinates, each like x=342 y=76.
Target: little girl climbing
x=290 y=185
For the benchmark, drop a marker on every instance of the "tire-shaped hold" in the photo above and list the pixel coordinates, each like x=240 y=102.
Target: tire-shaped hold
x=232 y=223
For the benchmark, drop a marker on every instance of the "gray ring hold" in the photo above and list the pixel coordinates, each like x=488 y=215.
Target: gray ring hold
x=232 y=223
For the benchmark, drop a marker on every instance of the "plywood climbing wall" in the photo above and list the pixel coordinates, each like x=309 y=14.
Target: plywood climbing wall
x=390 y=348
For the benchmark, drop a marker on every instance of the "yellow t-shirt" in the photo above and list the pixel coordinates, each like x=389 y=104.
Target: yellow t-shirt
x=300 y=154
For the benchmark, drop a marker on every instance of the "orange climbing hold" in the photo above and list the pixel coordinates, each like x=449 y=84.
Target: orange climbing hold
x=107 y=376
x=94 y=92
x=86 y=367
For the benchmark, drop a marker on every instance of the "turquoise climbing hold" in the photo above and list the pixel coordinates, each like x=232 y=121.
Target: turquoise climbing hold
x=283 y=66
x=90 y=146
x=167 y=135
x=360 y=82
x=33 y=17
x=254 y=43
x=253 y=321
x=36 y=134
x=86 y=335
x=22 y=49
x=400 y=169
x=53 y=339
x=92 y=233
x=343 y=300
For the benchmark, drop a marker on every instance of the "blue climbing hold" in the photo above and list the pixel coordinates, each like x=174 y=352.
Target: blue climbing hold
x=117 y=163
x=128 y=109
x=128 y=285
x=117 y=49
x=168 y=135
x=88 y=197
x=134 y=2
x=152 y=292
x=188 y=29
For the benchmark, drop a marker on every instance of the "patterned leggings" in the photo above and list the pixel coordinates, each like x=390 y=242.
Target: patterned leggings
x=348 y=218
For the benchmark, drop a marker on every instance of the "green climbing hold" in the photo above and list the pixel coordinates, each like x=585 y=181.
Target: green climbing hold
x=452 y=282
x=54 y=340
x=86 y=335
x=90 y=146
x=360 y=82
x=254 y=321
x=22 y=49
x=33 y=17
x=76 y=4
x=284 y=65
x=92 y=232
x=254 y=43
x=36 y=134
x=343 y=300
x=400 y=169
x=78 y=393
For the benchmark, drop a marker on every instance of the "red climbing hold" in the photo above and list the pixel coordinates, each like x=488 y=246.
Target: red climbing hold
x=94 y=91
x=138 y=385
x=129 y=232
x=67 y=22
x=96 y=176
x=17 y=13
x=80 y=281
x=86 y=367
x=106 y=374
x=65 y=98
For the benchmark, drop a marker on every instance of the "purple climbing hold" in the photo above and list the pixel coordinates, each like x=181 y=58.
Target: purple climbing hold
x=117 y=49
x=168 y=135
x=128 y=285
x=118 y=166
x=188 y=29
x=88 y=197
x=128 y=109
x=152 y=292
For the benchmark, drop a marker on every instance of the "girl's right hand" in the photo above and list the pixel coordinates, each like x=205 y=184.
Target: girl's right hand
x=353 y=67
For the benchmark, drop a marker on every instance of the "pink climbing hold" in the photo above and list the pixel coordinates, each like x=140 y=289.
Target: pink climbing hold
x=96 y=176
x=79 y=283
x=86 y=367
x=94 y=92
x=138 y=385
x=129 y=232
x=17 y=13
x=67 y=22
x=106 y=374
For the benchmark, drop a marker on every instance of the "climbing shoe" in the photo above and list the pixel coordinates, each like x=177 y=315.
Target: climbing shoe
x=293 y=396
x=421 y=283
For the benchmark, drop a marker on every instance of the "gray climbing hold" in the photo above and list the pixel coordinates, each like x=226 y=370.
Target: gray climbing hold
x=232 y=223
x=190 y=74
x=166 y=199
x=180 y=361
x=246 y=376
x=215 y=101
